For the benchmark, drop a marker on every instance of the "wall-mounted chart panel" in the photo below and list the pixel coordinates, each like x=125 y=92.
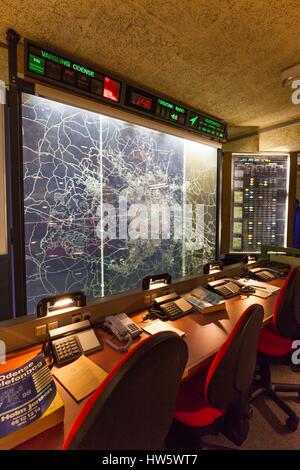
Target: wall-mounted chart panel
x=259 y=201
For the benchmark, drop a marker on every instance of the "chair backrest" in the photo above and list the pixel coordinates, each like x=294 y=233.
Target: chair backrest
x=231 y=372
x=287 y=306
x=133 y=408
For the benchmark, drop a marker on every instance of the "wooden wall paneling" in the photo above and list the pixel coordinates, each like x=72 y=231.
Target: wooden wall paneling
x=226 y=202
x=292 y=198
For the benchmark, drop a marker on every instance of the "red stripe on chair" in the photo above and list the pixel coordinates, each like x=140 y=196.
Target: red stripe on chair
x=280 y=296
x=219 y=356
x=95 y=396
x=201 y=418
x=192 y=407
x=272 y=344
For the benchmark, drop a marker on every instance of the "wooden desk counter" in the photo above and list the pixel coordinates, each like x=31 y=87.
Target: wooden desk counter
x=205 y=334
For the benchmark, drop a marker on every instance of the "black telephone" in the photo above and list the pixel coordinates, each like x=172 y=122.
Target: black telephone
x=264 y=274
x=282 y=268
x=66 y=349
x=67 y=343
x=170 y=307
x=226 y=287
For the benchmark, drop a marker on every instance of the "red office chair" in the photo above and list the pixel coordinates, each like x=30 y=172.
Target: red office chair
x=275 y=343
x=133 y=408
x=219 y=401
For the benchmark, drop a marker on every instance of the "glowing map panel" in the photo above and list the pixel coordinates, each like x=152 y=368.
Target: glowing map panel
x=96 y=192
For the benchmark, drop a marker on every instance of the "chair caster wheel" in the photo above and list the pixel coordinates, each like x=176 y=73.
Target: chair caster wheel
x=292 y=423
x=295 y=368
x=249 y=412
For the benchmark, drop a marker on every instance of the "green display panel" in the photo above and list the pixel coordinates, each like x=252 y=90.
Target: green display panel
x=36 y=64
x=69 y=74
x=207 y=125
x=60 y=71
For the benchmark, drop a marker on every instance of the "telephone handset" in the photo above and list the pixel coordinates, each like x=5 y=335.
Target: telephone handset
x=226 y=287
x=124 y=330
x=264 y=274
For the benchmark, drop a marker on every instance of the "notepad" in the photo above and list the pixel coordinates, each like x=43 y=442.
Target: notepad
x=89 y=341
x=157 y=325
x=262 y=294
x=262 y=289
x=80 y=378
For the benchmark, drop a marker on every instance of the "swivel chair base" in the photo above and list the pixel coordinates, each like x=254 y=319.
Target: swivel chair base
x=266 y=387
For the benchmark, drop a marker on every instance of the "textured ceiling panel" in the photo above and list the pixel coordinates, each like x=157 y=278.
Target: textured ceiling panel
x=223 y=57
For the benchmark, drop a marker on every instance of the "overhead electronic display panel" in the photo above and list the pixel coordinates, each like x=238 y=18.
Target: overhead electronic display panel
x=207 y=125
x=160 y=108
x=44 y=65
x=71 y=75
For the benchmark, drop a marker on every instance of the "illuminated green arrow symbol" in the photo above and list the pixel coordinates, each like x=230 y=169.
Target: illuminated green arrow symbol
x=193 y=120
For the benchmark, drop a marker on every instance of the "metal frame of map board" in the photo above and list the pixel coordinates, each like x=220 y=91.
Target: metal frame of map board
x=14 y=180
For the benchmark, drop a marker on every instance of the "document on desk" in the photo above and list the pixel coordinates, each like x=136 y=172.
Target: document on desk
x=157 y=325
x=262 y=289
x=80 y=378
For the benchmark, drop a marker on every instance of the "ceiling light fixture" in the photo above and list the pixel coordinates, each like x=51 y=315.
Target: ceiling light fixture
x=290 y=74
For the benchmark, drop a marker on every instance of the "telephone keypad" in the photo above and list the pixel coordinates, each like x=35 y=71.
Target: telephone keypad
x=224 y=291
x=172 y=310
x=134 y=330
x=66 y=349
x=133 y=327
x=266 y=276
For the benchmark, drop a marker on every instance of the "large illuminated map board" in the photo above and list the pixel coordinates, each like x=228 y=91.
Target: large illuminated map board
x=74 y=162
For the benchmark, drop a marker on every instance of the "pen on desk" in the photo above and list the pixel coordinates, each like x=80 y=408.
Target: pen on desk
x=258 y=287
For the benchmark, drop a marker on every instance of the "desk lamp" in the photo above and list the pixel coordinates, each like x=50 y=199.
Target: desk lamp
x=60 y=303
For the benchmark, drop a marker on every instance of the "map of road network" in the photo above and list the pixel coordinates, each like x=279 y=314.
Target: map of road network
x=74 y=161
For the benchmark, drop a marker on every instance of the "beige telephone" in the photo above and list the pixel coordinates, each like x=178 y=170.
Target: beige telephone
x=226 y=287
x=172 y=306
x=264 y=274
x=124 y=329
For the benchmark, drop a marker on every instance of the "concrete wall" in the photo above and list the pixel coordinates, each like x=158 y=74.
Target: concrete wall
x=280 y=139
x=248 y=144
